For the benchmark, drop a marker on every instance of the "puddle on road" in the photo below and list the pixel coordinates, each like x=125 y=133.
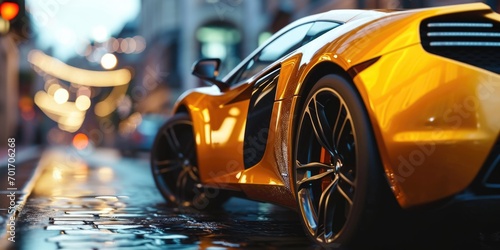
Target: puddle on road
x=127 y=212
x=103 y=226
x=97 y=236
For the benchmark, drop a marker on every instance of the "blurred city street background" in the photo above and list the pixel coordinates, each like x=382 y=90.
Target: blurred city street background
x=85 y=85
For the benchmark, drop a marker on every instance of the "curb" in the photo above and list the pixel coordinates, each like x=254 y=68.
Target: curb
x=24 y=193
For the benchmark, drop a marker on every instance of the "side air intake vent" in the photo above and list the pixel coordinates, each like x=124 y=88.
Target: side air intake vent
x=491 y=178
x=468 y=37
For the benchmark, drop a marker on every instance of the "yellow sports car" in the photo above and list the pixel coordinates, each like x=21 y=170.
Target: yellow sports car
x=338 y=111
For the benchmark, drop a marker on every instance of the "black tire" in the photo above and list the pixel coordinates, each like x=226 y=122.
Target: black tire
x=338 y=192
x=175 y=169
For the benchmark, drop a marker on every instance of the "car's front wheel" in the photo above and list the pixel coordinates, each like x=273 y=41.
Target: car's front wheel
x=175 y=167
x=337 y=170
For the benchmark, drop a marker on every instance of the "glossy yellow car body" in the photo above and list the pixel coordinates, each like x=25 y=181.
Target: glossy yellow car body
x=434 y=118
x=362 y=100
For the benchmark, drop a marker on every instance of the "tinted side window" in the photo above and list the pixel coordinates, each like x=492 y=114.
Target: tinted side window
x=284 y=44
x=319 y=28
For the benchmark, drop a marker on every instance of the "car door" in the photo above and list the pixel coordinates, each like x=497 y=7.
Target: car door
x=244 y=111
x=264 y=89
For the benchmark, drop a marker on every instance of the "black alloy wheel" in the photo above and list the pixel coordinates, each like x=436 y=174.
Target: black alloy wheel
x=337 y=167
x=175 y=169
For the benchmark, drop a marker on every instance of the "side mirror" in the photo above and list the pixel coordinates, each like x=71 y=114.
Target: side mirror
x=208 y=70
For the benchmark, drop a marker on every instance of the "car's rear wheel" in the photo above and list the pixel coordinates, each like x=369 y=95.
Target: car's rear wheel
x=337 y=169
x=175 y=168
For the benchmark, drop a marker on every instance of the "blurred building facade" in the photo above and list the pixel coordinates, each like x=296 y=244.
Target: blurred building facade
x=9 y=82
x=14 y=29
x=180 y=32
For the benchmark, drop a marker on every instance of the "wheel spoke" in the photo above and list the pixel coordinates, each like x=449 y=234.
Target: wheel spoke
x=170 y=168
x=308 y=211
x=192 y=174
x=337 y=119
x=325 y=209
x=181 y=183
x=174 y=163
x=166 y=163
x=344 y=194
x=314 y=165
x=319 y=121
x=344 y=123
x=308 y=180
x=346 y=179
x=189 y=149
x=326 y=183
x=172 y=140
x=339 y=214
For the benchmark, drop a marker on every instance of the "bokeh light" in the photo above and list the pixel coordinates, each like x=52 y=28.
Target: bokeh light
x=80 y=141
x=9 y=10
x=52 y=87
x=140 y=44
x=61 y=96
x=108 y=61
x=4 y=26
x=124 y=45
x=131 y=45
x=84 y=91
x=82 y=103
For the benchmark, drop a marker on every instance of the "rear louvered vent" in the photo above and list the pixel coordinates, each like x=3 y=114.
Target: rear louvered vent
x=466 y=37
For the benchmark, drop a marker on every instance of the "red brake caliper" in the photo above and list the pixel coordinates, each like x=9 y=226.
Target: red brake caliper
x=326 y=159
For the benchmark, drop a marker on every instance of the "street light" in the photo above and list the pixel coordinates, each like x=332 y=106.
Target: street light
x=9 y=10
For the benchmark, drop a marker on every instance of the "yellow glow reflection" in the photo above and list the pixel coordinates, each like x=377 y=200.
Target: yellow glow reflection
x=81 y=171
x=206 y=115
x=243 y=179
x=222 y=134
x=198 y=139
x=105 y=174
x=108 y=105
x=57 y=174
x=72 y=74
x=234 y=111
x=207 y=133
x=66 y=114
x=241 y=136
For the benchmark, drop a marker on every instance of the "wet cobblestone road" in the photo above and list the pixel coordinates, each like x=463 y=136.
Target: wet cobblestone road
x=103 y=201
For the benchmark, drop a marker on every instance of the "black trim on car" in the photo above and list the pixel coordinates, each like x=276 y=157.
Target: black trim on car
x=469 y=37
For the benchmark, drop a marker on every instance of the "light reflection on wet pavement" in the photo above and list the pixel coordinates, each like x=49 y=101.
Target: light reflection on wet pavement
x=102 y=201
